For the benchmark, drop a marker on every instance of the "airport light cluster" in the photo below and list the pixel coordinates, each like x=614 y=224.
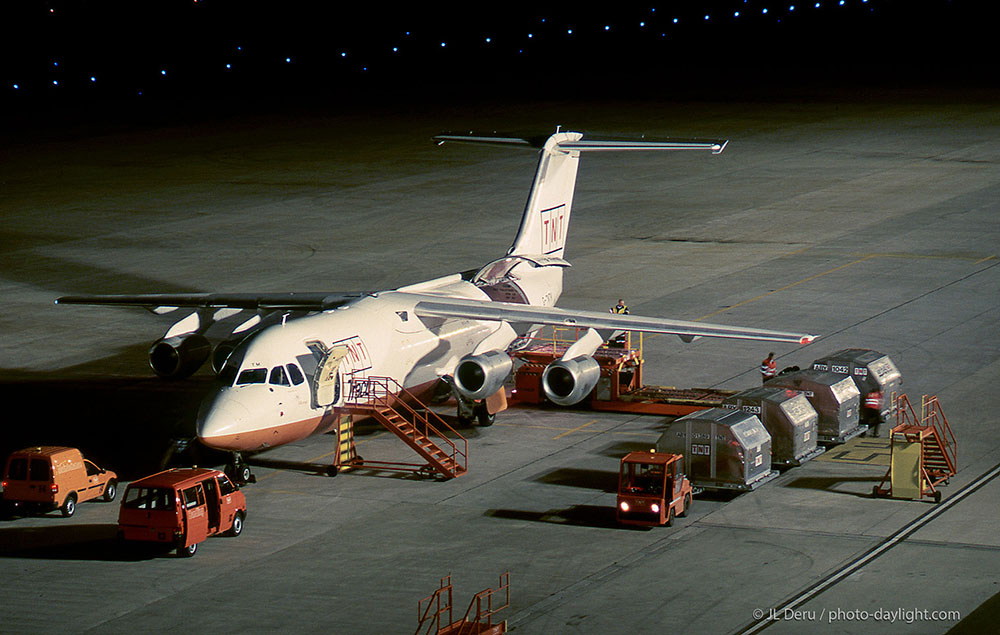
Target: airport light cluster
x=222 y=42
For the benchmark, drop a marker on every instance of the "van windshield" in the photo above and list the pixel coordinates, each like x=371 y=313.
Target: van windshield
x=149 y=498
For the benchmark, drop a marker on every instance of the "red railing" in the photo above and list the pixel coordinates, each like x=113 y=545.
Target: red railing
x=372 y=392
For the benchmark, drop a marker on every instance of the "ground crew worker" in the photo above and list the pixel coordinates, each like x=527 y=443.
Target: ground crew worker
x=873 y=408
x=768 y=368
x=619 y=340
x=621 y=308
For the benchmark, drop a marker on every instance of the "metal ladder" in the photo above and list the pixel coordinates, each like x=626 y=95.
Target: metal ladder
x=399 y=412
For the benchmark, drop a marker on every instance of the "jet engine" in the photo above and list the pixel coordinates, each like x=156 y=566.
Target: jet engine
x=179 y=356
x=568 y=381
x=222 y=352
x=479 y=376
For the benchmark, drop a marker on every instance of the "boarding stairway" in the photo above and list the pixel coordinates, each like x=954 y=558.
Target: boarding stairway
x=938 y=459
x=399 y=412
x=436 y=618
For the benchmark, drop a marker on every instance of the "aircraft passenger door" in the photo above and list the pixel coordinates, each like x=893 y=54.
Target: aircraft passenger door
x=326 y=381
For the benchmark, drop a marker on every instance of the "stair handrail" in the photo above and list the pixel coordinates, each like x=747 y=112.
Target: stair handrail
x=386 y=388
x=903 y=406
x=423 y=614
x=934 y=416
x=470 y=626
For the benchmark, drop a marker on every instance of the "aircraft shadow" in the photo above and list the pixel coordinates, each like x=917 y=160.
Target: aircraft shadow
x=830 y=483
x=621 y=448
x=597 y=517
x=588 y=479
x=123 y=423
x=72 y=542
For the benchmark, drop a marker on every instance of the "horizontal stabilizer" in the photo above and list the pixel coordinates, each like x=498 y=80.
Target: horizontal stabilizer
x=607 y=145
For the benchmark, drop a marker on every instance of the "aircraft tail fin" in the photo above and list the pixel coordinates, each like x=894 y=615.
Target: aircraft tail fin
x=545 y=222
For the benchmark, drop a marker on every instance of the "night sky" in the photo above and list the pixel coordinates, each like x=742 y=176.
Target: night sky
x=76 y=53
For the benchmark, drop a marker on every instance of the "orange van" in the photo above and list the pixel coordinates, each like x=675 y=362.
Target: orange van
x=51 y=477
x=182 y=507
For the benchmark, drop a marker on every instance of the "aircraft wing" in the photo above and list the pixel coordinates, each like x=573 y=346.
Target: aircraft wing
x=319 y=301
x=433 y=306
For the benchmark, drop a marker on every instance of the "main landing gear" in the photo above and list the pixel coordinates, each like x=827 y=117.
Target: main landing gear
x=469 y=411
x=239 y=470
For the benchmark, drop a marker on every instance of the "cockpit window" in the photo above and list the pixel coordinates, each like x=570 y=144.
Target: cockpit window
x=278 y=377
x=295 y=374
x=252 y=376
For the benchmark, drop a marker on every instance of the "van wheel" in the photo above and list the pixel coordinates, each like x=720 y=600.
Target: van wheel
x=187 y=552
x=69 y=505
x=111 y=490
x=687 y=503
x=237 y=527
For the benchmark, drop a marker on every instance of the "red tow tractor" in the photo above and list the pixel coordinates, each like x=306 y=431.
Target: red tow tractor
x=652 y=489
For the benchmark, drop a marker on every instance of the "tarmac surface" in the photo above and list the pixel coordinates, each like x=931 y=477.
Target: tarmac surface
x=871 y=220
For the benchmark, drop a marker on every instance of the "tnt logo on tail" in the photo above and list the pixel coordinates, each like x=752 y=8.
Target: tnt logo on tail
x=553 y=228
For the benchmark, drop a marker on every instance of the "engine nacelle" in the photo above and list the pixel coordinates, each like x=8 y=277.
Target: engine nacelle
x=569 y=381
x=222 y=352
x=479 y=376
x=179 y=356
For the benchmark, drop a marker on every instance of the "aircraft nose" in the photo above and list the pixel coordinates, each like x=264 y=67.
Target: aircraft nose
x=221 y=419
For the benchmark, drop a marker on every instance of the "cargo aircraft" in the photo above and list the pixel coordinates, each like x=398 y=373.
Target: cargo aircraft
x=288 y=369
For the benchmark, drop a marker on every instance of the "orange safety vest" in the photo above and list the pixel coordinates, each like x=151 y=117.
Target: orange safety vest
x=769 y=368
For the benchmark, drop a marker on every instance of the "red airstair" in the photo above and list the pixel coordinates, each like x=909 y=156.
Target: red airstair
x=437 y=608
x=934 y=450
x=385 y=400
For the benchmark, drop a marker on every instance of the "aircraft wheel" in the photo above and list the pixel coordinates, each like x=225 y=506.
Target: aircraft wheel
x=484 y=417
x=110 y=491
x=242 y=473
x=187 y=552
x=237 y=527
x=69 y=505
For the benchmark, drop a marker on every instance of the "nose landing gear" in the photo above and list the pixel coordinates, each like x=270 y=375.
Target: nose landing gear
x=239 y=470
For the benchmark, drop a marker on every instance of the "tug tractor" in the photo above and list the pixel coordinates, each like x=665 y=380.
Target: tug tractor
x=652 y=489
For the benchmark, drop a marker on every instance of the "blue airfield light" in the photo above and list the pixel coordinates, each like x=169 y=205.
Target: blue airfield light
x=55 y=82
x=706 y=16
x=817 y=5
x=163 y=72
x=675 y=20
x=288 y=60
x=569 y=31
x=343 y=53
x=642 y=24
x=229 y=66
x=395 y=49
x=791 y=7
x=488 y=40
x=16 y=87
x=841 y=2
x=93 y=79
x=531 y=35
x=443 y=44
x=607 y=27
x=764 y=11
x=736 y=15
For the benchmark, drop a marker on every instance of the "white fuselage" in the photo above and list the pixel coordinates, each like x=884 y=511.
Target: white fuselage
x=270 y=402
